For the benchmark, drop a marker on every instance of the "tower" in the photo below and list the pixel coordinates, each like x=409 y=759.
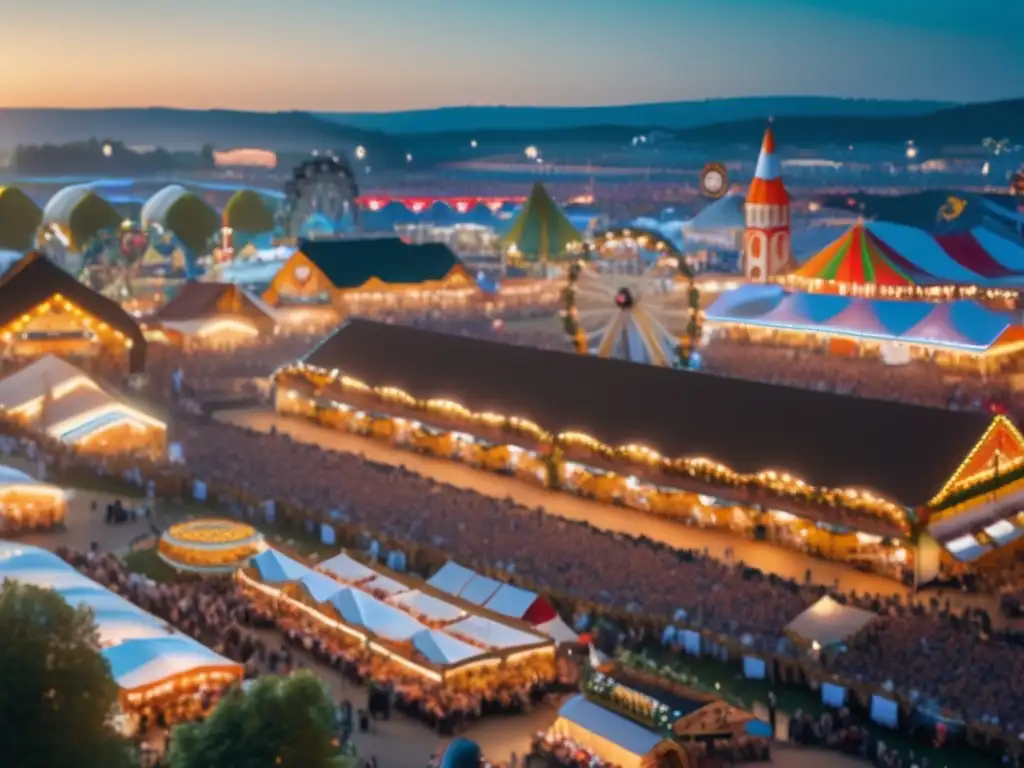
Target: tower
x=766 y=241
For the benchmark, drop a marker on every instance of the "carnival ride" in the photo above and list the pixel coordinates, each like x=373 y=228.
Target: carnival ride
x=320 y=198
x=210 y=546
x=646 y=317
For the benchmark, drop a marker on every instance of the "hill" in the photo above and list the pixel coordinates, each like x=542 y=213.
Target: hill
x=179 y=129
x=967 y=124
x=680 y=114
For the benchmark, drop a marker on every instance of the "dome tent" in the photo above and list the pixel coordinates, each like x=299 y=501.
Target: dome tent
x=80 y=214
x=174 y=209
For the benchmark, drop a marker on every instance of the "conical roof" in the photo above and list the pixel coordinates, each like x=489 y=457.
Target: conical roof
x=859 y=257
x=767 y=187
x=542 y=232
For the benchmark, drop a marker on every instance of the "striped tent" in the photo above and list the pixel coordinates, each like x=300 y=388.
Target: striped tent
x=860 y=257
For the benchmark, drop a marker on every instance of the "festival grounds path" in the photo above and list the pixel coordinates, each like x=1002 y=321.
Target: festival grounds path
x=762 y=555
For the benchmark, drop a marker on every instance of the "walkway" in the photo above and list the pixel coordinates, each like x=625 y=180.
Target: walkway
x=767 y=557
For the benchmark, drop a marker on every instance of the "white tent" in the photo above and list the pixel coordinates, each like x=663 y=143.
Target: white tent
x=275 y=567
x=144 y=662
x=428 y=606
x=359 y=609
x=452 y=578
x=439 y=648
x=320 y=587
x=492 y=634
x=386 y=585
x=611 y=737
x=828 y=622
x=558 y=631
x=26 y=388
x=511 y=601
x=346 y=568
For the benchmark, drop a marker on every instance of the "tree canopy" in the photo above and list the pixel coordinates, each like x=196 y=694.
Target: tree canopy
x=57 y=692
x=287 y=722
x=246 y=212
x=19 y=220
x=193 y=222
x=91 y=216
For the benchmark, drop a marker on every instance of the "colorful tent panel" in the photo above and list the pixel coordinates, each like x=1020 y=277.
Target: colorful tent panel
x=888 y=254
x=957 y=325
x=860 y=257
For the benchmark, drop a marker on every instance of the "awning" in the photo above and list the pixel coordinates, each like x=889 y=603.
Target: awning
x=828 y=622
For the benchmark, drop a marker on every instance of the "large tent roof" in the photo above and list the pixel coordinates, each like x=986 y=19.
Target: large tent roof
x=491 y=634
x=595 y=721
x=144 y=662
x=361 y=610
x=955 y=325
x=541 y=231
x=275 y=567
x=351 y=263
x=428 y=606
x=451 y=578
x=725 y=213
x=829 y=622
x=439 y=648
x=903 y=451
x=62 y=204
x=347 y=568
x=887 y=254
x=155 y=210
x=35 y=279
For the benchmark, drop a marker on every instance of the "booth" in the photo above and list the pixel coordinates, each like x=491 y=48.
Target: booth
x=29 y=504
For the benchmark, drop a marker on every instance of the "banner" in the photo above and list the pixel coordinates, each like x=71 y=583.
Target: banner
x=833 y=695
x=754 y=668
x=270 y=511
x=691 y=641
x=199 y=491
x=327 y=535
x=885 y=712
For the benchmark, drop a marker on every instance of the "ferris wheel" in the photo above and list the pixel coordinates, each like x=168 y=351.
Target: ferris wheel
x=320 y=198
x=647 y=317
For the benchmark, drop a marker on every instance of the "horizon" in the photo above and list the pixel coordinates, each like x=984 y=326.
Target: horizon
x=303 y=55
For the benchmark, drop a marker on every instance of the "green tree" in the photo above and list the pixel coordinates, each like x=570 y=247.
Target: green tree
x=279 y=722
x=91 y=216
x=193 y=222
x=246 y=212
x=56 y=693
x=19 y=220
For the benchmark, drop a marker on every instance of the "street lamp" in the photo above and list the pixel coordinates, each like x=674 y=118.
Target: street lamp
x=531 y=152
x=360 y=152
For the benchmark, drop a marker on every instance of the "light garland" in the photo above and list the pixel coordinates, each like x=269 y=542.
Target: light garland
x=57 y=300
x=701 y=469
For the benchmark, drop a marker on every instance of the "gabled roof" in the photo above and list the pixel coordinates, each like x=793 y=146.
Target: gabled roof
x=199 y=299
x=350 y=263
x=35 y=279
x=541 y=232
x=828 y=622
x=903 y=451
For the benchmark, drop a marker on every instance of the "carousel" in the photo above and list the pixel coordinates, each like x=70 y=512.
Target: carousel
x=210 y=546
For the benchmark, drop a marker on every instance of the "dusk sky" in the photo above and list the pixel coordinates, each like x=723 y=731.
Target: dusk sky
x=382 y=55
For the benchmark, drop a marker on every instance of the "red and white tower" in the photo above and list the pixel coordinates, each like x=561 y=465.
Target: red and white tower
x=766 y=242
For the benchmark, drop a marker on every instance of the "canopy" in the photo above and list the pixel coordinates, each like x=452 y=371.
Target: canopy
x=275 y=567
x=828 y=622
x=439 y=648
x=611 y=737
x=142 y=663
x=346 y=568
x=521 y=604
x=452 y=578
x=359 y=609
x=955 y=325
x=558 y=631
x=491 y=634
x=428 y=606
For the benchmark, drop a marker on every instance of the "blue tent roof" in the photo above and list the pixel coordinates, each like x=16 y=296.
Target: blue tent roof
x=954 y=325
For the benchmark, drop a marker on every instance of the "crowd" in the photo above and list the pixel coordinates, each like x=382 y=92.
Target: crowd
x=906 y=649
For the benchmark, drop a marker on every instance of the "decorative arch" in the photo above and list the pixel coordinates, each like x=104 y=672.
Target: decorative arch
x=649 y=239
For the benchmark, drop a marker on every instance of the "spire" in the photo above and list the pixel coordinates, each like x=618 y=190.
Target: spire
x=767 y=187
x=767 y=163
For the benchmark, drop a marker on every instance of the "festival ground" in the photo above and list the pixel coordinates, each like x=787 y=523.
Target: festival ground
x=767 y=557
x=400 y=741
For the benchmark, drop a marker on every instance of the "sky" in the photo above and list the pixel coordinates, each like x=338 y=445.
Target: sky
x=388 y=55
